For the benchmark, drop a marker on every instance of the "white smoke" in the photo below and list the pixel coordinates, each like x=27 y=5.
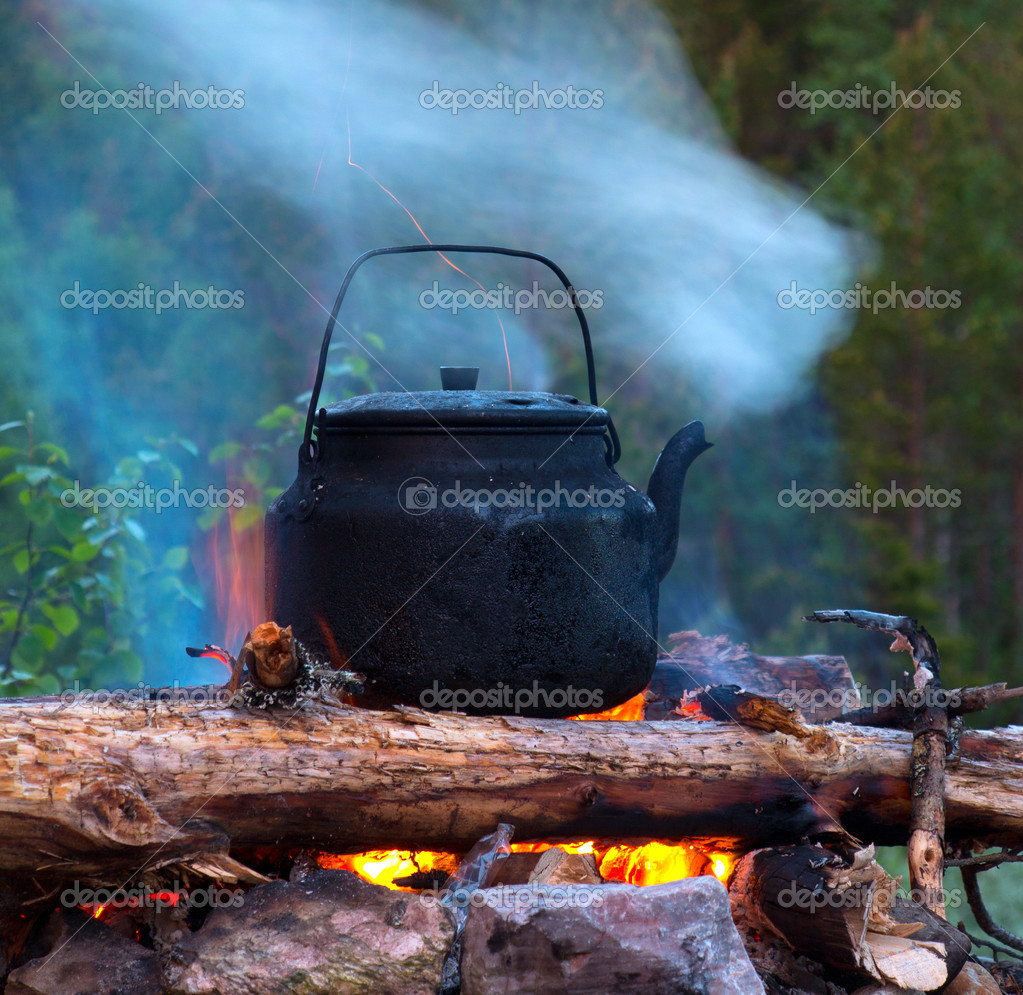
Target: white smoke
x=640 y=198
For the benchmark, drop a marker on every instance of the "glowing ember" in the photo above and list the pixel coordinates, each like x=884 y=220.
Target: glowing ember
x=383 y=866
x=627 y=711
x=123 y=902
x=412 y=218
x=651 y=863
x=217 y=654
x=656 y=863
x=691 y=709
x=586 y=847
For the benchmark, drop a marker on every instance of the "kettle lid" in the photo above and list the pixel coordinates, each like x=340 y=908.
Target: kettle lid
x=470 y=409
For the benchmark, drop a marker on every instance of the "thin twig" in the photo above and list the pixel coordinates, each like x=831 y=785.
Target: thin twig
x=922 y=646
x=981 y=914
x=985 y=862
x=983 y=941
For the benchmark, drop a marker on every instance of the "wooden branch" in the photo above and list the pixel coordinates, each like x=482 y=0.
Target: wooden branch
x=89 y=790
x=898 y=713
x=926 y=847
x=981 y=914
x=986 y=861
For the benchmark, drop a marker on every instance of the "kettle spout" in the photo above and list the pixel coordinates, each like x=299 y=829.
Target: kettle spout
x=665 y=490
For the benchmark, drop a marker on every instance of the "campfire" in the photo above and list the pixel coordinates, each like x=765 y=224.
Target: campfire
x=323 y=822
x=455 y=836
x=645 y=864
x=710 y=827
x=463 y=835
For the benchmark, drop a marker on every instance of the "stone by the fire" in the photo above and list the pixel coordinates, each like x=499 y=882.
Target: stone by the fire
x=79 y=954
x=601 y=939
x=326 y=932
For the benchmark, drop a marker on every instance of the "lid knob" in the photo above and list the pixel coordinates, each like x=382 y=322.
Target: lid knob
x=459 y=377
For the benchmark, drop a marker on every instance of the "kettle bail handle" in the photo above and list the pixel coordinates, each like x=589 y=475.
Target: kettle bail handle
x=309 y=448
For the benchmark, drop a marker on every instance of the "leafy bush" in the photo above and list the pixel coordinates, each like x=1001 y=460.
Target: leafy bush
x=79 y=588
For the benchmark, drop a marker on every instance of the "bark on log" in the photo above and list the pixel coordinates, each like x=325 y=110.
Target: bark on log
x=926 y=850
x=89 y=790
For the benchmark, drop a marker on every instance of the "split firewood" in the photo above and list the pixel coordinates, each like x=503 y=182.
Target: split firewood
x=976 y=980
x=556 y=866
x=841 y=908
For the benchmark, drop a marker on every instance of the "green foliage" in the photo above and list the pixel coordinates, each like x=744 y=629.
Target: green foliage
x=79 y=590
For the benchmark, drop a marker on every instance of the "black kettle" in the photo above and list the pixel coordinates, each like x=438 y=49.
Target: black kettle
x=475 y=549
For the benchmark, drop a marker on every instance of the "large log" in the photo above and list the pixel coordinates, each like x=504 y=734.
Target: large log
x=90 y=790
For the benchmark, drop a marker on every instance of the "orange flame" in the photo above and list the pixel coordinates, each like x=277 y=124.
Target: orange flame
x=628 y=711
x=383 y=866
x=651 y=863
x=656 y=863
x=237 y=554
